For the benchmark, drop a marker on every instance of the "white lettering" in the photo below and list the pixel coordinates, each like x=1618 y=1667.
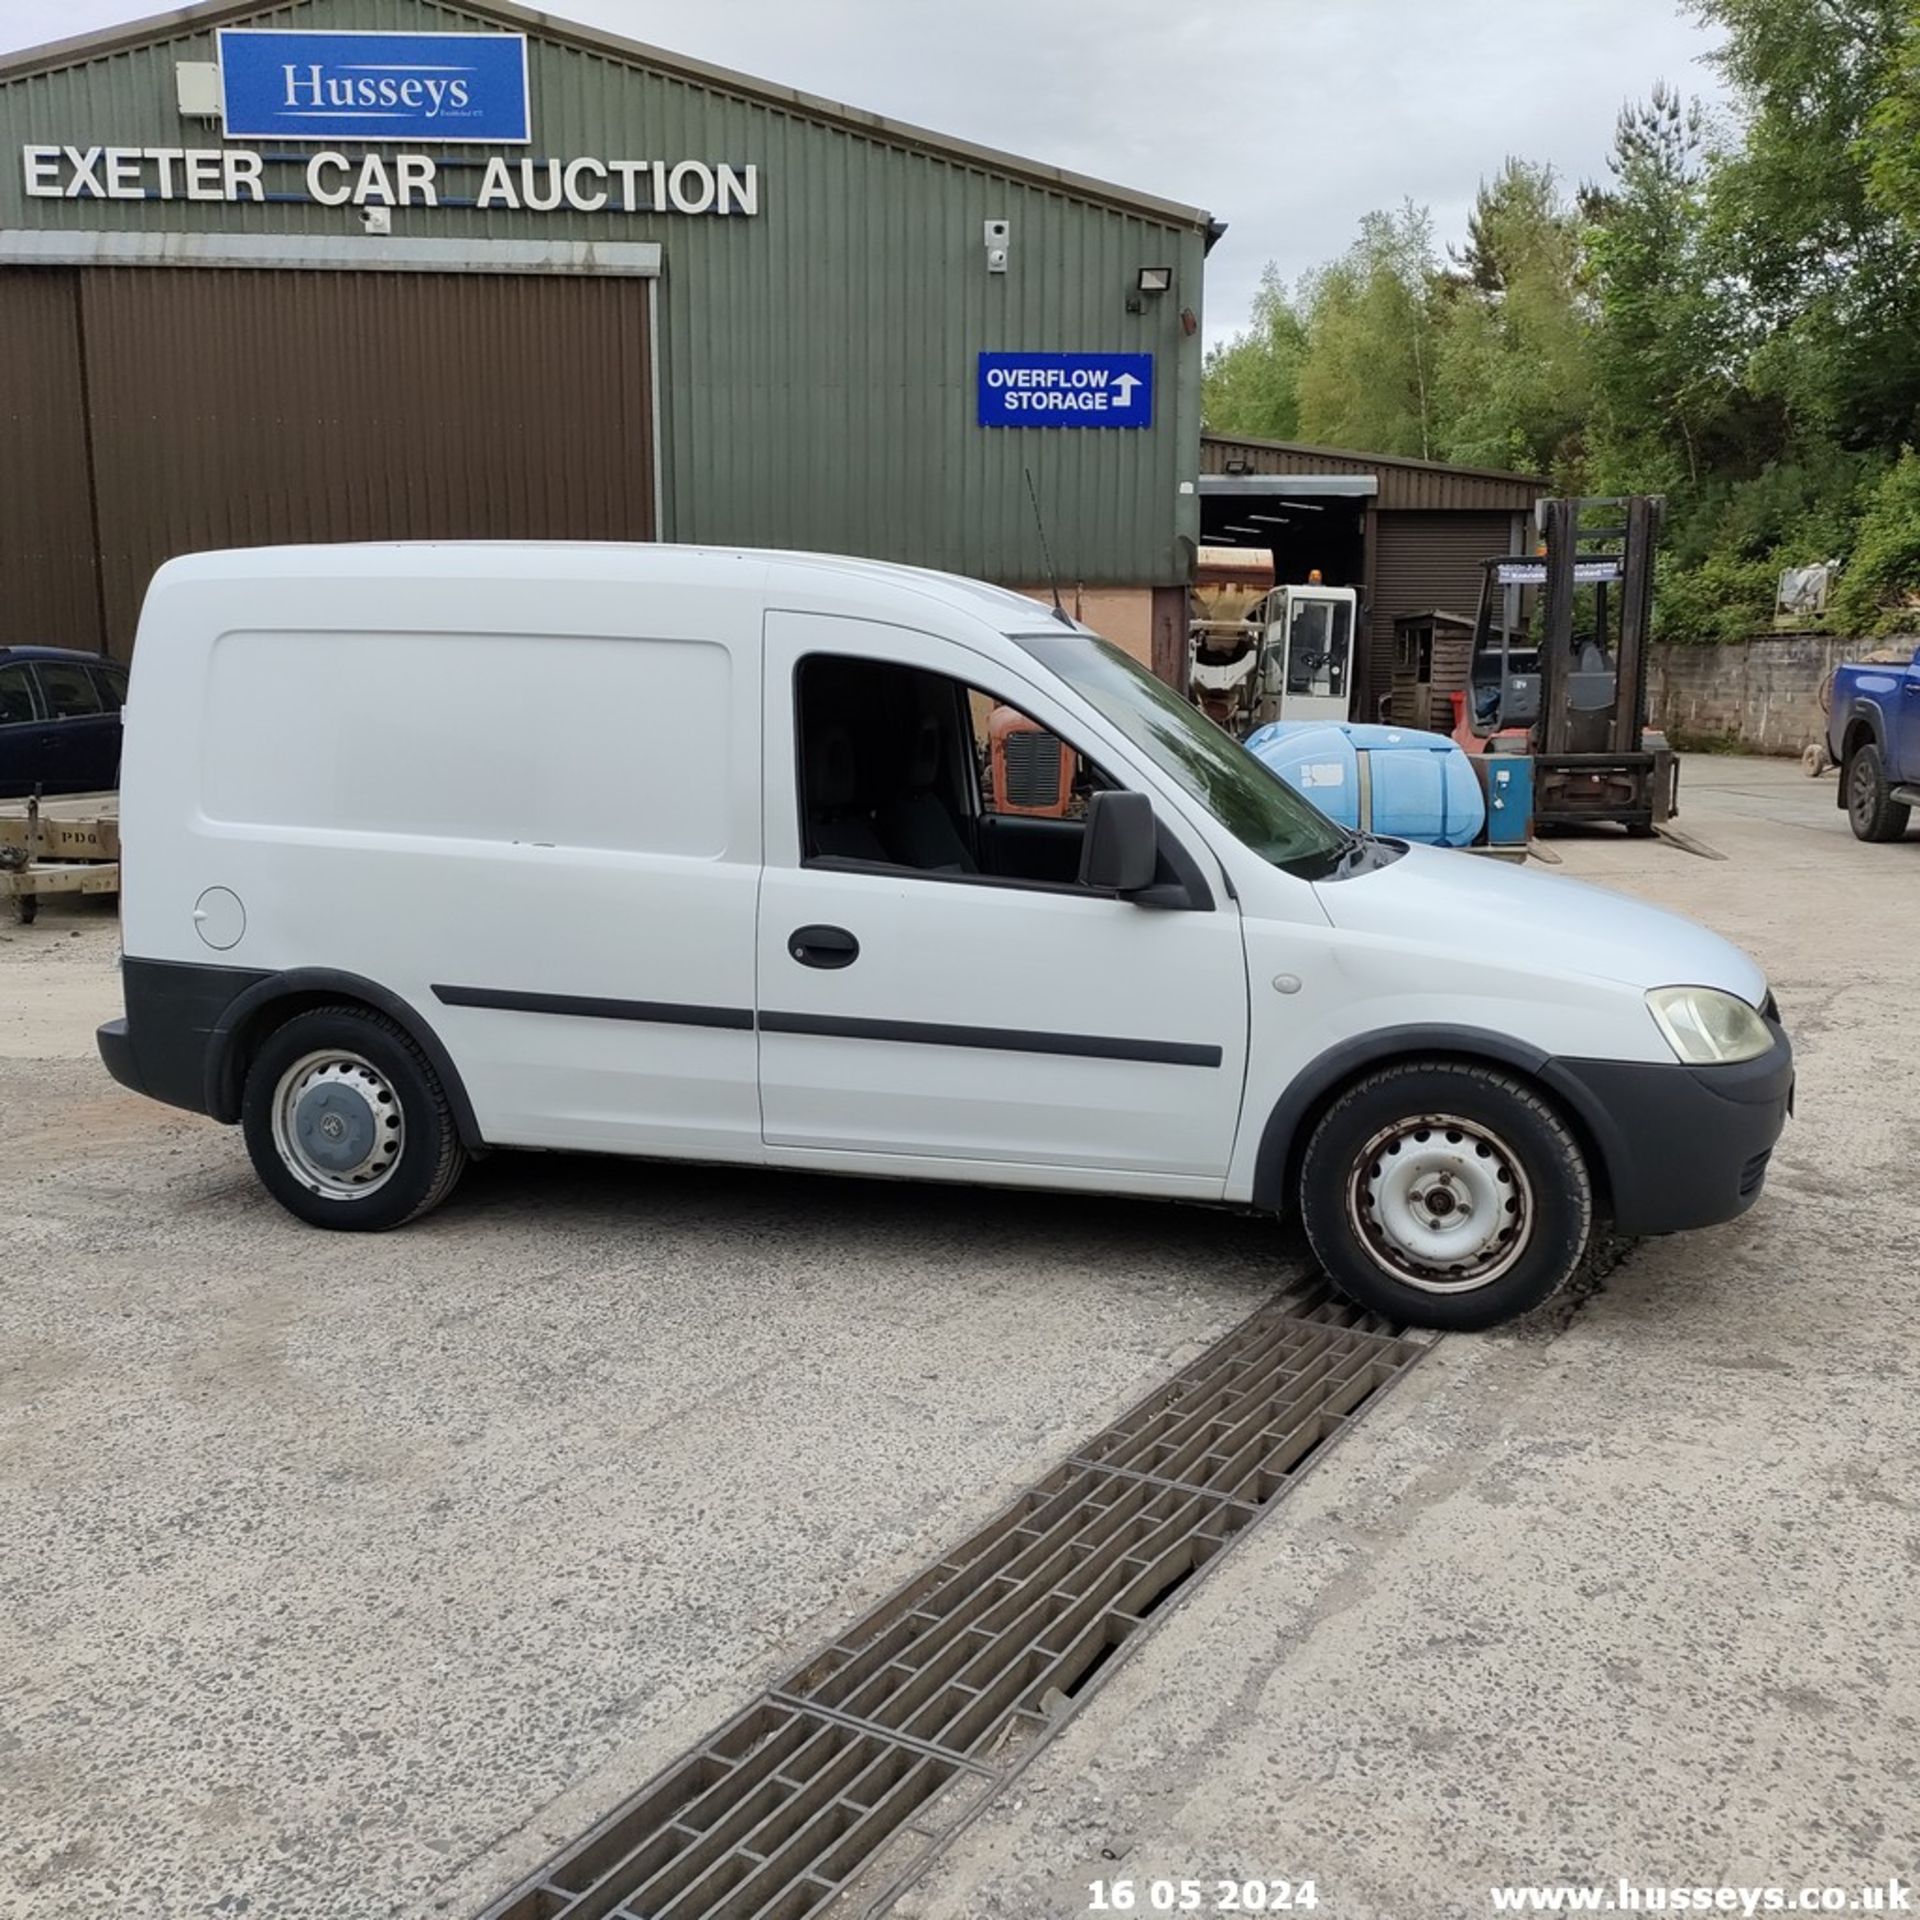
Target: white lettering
x=164 y=158
x=244 y=170
x=577 y=196
x=533 y=201
x=701 y=197
x=295 y=81
x=417 y=175
x=374 y=188
x=84 y=185
x=41 y=165
x=496 y=186
x=203 y=175
x=628 y=172
x=321 y=189
x=123 y=174
x=585 y=184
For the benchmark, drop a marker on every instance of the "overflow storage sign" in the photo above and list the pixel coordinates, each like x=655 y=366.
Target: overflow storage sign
x=1066 y=390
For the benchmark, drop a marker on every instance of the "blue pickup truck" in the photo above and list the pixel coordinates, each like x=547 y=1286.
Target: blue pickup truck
x=1873 y=735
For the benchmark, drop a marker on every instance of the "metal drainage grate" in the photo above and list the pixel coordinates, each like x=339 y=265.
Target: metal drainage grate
x=863 y=1762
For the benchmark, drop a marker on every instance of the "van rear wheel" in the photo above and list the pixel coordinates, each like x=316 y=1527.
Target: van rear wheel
x=347 y=1124
x=1441 y=1194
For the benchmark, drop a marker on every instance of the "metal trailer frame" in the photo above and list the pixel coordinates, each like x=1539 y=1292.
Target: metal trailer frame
x=67 y=845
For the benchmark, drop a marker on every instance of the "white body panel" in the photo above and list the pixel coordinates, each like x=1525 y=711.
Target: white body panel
x=958 y=952
x=565 y=776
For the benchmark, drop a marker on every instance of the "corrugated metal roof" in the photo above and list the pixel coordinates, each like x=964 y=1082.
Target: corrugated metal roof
x=1405 y=484
x=505 y=13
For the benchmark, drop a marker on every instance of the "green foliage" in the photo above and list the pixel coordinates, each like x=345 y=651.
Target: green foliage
x=1723 y=597
x=1514 y=350
x=1251 y=385
x=1366 y=378
x=1880 y=591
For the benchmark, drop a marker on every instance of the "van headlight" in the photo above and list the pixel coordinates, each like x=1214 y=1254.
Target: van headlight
x=1708 y=1028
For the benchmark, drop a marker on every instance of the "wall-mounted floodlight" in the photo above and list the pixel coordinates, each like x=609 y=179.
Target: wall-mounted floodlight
x=1155 y=280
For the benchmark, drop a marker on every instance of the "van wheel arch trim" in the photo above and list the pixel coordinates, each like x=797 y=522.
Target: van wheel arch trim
x=225 y=1079
x=1284 y=1134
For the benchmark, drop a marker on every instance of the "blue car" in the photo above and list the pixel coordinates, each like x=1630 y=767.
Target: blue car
x=59 y=721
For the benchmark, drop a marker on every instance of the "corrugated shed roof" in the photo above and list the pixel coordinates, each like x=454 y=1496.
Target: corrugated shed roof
x=1420 y=485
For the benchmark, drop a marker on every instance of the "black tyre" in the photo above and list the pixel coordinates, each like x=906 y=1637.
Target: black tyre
x=347 y=1123
x=1872 y=811
x=1445 y=1195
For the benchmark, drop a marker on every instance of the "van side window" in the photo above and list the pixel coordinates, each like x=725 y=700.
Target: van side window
x=16 y=695
x=905 y=769
x=69 y=689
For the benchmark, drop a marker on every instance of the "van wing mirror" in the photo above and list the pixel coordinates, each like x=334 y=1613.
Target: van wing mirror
x=1120 y=848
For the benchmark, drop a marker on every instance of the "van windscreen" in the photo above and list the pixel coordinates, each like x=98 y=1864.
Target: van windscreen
x=1253 y=803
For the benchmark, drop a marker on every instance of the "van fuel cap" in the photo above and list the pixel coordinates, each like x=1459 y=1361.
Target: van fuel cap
x=219 y=918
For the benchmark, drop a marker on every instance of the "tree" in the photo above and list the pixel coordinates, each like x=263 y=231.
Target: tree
x=1367 y=375
x=1829 y=270
x=1251 y=384
x=1513 y=343
x=1666 y=351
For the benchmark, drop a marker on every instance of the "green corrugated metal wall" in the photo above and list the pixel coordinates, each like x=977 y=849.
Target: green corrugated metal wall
x=817 y=361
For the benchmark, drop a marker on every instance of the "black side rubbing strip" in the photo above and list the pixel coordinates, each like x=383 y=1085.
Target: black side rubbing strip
x=1082 y=1046
x=586 y=1006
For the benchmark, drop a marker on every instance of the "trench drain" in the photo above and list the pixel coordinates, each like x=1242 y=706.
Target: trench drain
x=837 y=1786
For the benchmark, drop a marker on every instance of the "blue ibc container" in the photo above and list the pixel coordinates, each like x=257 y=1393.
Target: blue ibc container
x=1418 y=786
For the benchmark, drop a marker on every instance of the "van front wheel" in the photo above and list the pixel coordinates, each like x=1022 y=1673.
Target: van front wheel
x=1441 y=1194
x=347 y=1124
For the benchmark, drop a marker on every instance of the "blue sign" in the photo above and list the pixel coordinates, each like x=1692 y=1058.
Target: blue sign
x=457 y=87
x=1066 y=389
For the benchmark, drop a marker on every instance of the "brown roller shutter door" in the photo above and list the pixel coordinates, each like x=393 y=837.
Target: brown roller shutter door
x=49 y=584
x=1421 y=561
x=231 y=408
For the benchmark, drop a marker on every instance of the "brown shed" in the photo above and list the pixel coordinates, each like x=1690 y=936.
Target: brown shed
x=1409 y=534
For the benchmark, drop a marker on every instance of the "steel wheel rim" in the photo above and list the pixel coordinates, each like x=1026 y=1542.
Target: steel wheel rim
x=1441 y=1203
x=338 y=1125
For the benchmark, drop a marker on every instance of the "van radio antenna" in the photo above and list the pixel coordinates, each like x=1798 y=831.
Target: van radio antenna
x=1046 y=552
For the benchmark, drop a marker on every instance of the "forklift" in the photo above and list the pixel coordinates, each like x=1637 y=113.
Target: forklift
x=1558 y=669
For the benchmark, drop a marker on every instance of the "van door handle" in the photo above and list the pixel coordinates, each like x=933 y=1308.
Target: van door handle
x=823 y=946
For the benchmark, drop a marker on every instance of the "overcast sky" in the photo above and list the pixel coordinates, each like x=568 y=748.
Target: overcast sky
x=1288 y=119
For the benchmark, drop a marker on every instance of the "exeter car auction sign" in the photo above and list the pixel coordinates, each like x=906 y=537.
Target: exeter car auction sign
x=381 y=89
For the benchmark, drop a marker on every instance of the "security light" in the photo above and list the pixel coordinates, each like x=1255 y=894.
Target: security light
x=1155 y=279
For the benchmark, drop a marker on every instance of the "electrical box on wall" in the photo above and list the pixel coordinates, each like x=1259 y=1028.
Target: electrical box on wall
x=197 y=87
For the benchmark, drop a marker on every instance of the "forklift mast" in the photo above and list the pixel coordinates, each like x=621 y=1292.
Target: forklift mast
x=1568 y=686
x=1617 y=551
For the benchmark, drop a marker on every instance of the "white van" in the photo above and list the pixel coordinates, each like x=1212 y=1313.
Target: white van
x=697 y=854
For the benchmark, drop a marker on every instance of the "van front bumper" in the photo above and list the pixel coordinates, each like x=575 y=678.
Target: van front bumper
x=1684 y=1146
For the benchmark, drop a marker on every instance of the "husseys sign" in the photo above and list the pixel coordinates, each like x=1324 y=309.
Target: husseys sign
x=443 y=89
x=374 y=86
